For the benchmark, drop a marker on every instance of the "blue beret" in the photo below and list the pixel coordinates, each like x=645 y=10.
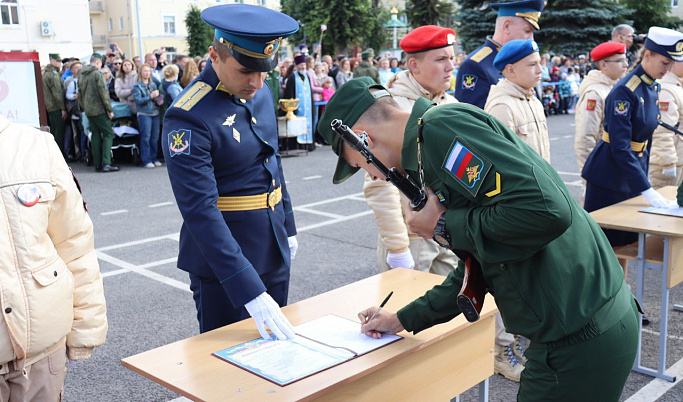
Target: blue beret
x=666 y=42
x=530 y=10
x=252 y=34
x=514 y=51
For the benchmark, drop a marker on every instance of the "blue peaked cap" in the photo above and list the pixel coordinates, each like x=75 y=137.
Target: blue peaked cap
x=530 y=10
x=252 y=34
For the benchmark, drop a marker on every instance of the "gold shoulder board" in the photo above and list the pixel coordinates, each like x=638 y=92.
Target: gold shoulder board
x=193 y=95
x=633 y=83
x=481 y=54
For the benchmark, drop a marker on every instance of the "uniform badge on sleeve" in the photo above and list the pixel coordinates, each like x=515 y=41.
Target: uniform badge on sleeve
x=179 y=142
x=468 y=168
x=590 y=105
x=663 y=106
x=621 y=107
x=469 y=82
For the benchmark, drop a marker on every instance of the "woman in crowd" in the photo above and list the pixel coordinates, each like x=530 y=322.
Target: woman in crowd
x=190 y=73
x=617 y=168
x=170 y=84
x=385 y=74
x=393 y=64
x=345 y=74
x=125 y=81
x=201 y=65
x=110 y=81
x=147 y=98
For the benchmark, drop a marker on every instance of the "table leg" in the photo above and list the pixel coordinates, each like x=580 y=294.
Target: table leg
x=678 y=307
x=484 y=391
x=640 y=282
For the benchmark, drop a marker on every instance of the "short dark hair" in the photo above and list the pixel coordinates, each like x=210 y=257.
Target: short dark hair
x=223 y=52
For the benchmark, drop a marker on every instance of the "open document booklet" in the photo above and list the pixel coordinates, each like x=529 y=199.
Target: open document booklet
x=318 y=345
x=664 y=211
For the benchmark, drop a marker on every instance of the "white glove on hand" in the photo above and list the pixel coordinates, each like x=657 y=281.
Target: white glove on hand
x=404 y=259
x=264 y=310
x=657 y=200
x=293 y=246
x=669 y=172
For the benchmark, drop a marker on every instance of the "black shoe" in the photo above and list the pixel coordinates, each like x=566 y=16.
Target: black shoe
x=646 y=321
x=106 y=168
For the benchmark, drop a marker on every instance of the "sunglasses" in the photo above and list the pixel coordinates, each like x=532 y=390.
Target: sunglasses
x=116 y=64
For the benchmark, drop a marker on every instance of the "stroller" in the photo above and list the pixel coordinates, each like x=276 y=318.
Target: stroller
x=125 y=134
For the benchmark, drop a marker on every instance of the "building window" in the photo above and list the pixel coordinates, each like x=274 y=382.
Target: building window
x=9 y=12
x=674 y=3
x=169 y=25
x=120 y=23
x=111 y=25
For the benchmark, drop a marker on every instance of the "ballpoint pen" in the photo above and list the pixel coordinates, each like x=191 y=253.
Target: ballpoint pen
x=380 y=307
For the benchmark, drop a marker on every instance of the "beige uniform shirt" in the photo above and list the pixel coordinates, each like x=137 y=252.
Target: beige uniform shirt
x=667 y=147
x=522 y=112
x=590 y=113
x=383 y=197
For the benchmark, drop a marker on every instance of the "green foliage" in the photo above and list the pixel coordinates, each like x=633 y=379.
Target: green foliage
x=199 y=34
x=573 y=27
x=349 y=23
x=429 y=12
x=651 y=13
x=474 y=24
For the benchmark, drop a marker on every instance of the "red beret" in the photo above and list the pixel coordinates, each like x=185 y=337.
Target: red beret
x=427 y=37
x=607 y=49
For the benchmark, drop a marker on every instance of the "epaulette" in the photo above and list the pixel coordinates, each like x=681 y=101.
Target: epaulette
x=481 y=54
x=633 y=83
x=193 y=95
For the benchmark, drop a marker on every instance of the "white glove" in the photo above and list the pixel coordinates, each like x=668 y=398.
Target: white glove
x=669 y=172
x=264 y=310
x=293 y=246
x=404 y=259
x=657 y=200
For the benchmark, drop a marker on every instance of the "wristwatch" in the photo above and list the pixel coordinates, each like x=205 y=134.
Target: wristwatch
x=441 y=236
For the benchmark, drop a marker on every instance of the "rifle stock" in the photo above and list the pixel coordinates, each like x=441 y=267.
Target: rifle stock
x=470 y=299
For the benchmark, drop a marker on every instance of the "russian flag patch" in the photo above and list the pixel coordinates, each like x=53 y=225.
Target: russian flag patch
x=466 y=167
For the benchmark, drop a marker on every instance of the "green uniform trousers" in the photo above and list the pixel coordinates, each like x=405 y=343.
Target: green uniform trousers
x=57 y=127
x=102 y=137
x=587 y=366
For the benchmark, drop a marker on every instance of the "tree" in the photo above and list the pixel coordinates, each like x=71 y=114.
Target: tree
x=475 y=20
x=573 y=27
x=650 y=13
x=199 y=34
x=349 y=23
x=429 y=12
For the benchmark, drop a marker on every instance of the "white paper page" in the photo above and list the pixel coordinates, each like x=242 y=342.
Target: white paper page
x=664 y=211
x=337 y=331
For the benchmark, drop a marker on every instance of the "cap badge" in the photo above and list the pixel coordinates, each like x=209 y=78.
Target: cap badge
x=28 y=194
x=450 y=39
x=270 y=46
x=679 y=46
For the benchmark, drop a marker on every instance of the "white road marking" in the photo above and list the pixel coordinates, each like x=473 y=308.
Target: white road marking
x=567 y=136
x=570 y=174
x=113 y=273
x=655 y=333
x=554 y=138
x=316 y=212
x=333 y=221
x=118 y=211
x=329 y=200
x=573 y=183
x=157 y=263
x=149 y=274
x=161 y=204
x=658 y=387
x=171 y=236
x=312 y=177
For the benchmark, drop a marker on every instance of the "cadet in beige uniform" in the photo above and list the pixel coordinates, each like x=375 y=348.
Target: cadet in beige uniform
x=430 y=65
x=513 y=100
x=666 y=155
x=610 y=59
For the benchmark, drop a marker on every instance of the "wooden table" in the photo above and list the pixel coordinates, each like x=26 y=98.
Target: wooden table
x=660 y=247
x=436 y=364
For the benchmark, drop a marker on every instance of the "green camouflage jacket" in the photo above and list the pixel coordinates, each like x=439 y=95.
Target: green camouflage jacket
x=93 y=92
x=53 y=89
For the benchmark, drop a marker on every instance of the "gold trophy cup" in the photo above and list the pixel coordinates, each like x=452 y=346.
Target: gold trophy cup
x=289 y=106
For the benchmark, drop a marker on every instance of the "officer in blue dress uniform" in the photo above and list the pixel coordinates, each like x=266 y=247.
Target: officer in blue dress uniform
x=617 y=168
x=221 y=149
x=516 y=20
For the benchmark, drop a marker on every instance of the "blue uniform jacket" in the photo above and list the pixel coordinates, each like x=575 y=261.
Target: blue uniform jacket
x=218 y=145
x=631 y=114
x=476 y=75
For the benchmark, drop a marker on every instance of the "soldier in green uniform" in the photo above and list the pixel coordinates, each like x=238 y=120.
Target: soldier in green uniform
x=555 y=278
x=53 y=88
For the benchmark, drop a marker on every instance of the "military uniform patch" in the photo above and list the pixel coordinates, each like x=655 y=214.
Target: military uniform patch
x=179 y=142
x=621 y=107
x=591 y=104
x=466 y=167
x=664 y=106
x=469 y=82
x=481 y=54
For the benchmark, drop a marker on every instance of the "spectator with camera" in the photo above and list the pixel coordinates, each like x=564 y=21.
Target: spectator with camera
x=147 y=99
x=624 y=33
